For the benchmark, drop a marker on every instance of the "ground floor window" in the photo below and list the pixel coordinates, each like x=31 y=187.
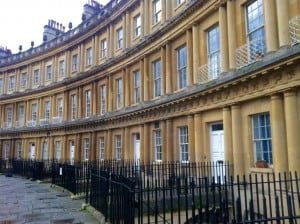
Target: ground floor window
x=86 y=149
x=101 y=148
x=7 y=151
x=183 y=144
x=19 y=150
x=262 y=140
x=58 y=150
x=118 y=145
x=157 y=145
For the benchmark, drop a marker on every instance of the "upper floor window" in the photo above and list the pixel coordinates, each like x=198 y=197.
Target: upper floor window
x=262 y=140
x=47 y=110
x=60 y=107
x=34 y=112
x=73 y=107
x=157 y=145
x=156 y=11
x=119 y=86
x=255 y=27
x=183 y=138
x=21 y=113
x=157 y=78
x=1 y=85
x=87 y=103
x=120 y=38
x=103 y=99
x=19 y=150
x=89 y=56
x=36 y=76
x=137 y=25
x=61 y=68
x=137 y=86
x=101 y=148
x=24 y=80
x=49 y=72
x=86 y=148
x=103 y=48
x=9 y=113
x=179 y=2
x=58 y=150
x=12 y=83
x=6 y=151
x=75 y=63
x=181 y=67
x=118 y=147
x=213 y=37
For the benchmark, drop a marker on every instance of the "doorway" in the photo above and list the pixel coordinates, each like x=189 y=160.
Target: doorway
x=217 y=150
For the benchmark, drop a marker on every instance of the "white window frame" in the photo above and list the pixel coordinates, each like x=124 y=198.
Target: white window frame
x=1 y=85
x=89 y=56
x=120 y=38
x=19 y=150
x=62 y=68
x=58 y=150
x=47 y=110
x=119 y=97
x=137 y=86
x=73 y=107
x=24 y=80
x=213 y=49
x=6 y=151
x=9 y=114
x=182 y=67
x=157 y=145
x=262 y=138
x=103 y=48
x=183 y=140
x=12 y=82
x=157 y=7
x=87 y=103
x=22 y=114
x=103 y=99
x=75 y=63
x=86 y=149
x=34 y=112
x=137 y=22
x=101 y=148
x=60 y=104
x=157 y=78
x=49 y=72
x=118 y=147
x=36 y=76
x=179 y=2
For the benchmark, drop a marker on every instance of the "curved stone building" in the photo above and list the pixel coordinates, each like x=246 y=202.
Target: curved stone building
x=160 y=80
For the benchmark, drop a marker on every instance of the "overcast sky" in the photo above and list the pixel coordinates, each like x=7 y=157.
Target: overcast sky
x=22 y=21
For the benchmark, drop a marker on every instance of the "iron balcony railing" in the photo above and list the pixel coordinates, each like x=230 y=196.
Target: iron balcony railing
x=31 y=123
x=56 y=120
x=19 y=123
x=251 y=52
x=7 y=124
x=44 y=121
x=294 y=30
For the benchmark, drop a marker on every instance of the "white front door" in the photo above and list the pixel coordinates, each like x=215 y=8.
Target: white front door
x=137 y=150
x=32 y=151
x=72 y=152
x=217 y=149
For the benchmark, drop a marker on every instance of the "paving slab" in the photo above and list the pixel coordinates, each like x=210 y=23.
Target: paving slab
x=23 y=201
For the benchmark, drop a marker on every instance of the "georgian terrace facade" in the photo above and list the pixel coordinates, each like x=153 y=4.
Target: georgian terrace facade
x=161 y=80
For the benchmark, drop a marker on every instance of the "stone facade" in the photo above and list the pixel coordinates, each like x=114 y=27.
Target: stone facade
x=160 y=81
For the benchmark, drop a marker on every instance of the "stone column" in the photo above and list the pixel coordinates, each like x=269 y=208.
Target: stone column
x=80 y=106
x=164 y=140
x=127 y=85
x=280 y=158
x=168 y=69
x=189 y=41
x=198 y=138
x=163 y=11
x=146 y=81
x=270 y=25
x=146 y=146
x=191 y=138
x=228 y=153
x=163 y=70
x=196 y=49
x=127 y=149
x=292 y=130
x=223 y=39
x=237 y=142
x=141 y=66
x=231 y=17
x=283 y=22
x=146 y=16
x=169 y=145
x=108 y=145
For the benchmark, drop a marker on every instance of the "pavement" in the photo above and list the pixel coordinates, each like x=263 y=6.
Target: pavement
x=26 y=201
